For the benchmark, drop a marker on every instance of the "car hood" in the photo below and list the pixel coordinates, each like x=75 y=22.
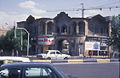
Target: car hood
x=66 y=55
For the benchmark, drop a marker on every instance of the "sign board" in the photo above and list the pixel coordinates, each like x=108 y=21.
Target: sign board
x=92 y=45
x=46 y=40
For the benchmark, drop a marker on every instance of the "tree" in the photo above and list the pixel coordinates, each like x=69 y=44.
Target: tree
x=8 y=42
x=2 y=41
x=115 y=35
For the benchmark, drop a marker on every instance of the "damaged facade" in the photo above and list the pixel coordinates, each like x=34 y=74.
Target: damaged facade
x=74 y=36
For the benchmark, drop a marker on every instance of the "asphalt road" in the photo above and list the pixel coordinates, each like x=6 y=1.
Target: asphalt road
x=90 y=70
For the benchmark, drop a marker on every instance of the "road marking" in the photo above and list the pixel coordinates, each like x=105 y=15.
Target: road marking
x=49 y=61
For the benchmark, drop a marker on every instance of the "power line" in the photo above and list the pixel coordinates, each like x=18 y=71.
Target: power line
x=104 y=4
x=83 y=9
x=100 y=8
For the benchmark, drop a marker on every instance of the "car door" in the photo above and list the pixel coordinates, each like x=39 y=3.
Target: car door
x=52 y=55
x=59 y=55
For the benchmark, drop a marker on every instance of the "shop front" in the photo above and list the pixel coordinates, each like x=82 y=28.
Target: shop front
x=45 y=43
x=103 y=49
x=92 y=48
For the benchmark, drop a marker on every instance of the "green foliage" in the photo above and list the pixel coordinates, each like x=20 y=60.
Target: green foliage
x=9 y=43
x=115 y=40
x=2 y=42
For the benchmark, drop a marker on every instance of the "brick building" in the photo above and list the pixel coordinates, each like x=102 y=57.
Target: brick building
x=74 y=36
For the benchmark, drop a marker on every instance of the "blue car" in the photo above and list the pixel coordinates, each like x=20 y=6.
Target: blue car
x=29 y=70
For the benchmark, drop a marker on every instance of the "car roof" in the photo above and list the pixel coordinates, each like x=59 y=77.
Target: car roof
x=22 y=65
x=52 y=50
x=26 y=64
x=23 y=59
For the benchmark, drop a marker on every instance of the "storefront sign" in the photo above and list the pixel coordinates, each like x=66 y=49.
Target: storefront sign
x=46 y=40
x=92 y=45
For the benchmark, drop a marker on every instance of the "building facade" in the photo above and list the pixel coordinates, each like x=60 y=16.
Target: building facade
x=74 y=36
x=4 y=30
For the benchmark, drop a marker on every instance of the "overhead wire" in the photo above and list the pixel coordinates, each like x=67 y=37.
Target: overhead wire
x=99 y=7
x=103 y=4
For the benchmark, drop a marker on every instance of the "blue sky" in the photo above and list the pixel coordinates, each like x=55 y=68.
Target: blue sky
x=18 y=10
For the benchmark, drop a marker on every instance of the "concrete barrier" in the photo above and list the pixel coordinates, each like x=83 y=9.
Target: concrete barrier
x=103 y=60
x=49 y=61
x=75 y=61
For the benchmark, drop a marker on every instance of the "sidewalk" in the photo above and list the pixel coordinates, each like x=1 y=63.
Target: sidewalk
x=76 y=59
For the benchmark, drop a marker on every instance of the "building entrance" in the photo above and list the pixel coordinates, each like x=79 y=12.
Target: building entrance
x=63 y=46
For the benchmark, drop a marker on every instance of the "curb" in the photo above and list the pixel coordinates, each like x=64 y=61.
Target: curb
x=49 y=61
x=103 y=60
x=77 y=61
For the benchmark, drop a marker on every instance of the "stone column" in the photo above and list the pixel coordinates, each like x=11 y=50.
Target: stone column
x=86 y=27
x=45 y=28
x=109 y=34
x=77 y=29
x=109 y=29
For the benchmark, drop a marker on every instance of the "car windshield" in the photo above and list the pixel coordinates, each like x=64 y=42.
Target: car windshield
x=45 y=52
x=58 y=53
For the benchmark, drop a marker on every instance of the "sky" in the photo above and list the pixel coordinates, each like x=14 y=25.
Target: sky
x=12 y=11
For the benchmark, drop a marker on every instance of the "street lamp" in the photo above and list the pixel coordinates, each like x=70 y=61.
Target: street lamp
x=28 y=37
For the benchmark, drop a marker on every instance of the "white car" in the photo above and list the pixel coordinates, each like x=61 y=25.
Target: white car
x=53 y=54
x=10 y=59
x=30 y=70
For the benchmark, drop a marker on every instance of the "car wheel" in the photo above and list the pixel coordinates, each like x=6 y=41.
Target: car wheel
x=39 y=57
x=49 y=58
x=65 y=58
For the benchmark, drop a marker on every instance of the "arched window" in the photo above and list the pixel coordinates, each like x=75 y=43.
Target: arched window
x=49 y=28
x=42 y=28
x=74 y=28
x=64 y=29
x=81 y=25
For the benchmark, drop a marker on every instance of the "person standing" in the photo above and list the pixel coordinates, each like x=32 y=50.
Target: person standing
x=16 y=52
x=1 y=53
x=13 y=53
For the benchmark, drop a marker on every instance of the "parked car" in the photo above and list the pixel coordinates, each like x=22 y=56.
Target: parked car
x=53 y=54
x=29 y=70
x=10 y=59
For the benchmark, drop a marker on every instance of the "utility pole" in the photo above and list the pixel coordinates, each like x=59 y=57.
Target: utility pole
x=82 y=10
x=21 y=37
x=14 y=31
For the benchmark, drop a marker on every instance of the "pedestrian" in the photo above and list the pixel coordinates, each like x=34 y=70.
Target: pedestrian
x=2 y=53
x=85 y=54
x=13 y=53
x=16 y=52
